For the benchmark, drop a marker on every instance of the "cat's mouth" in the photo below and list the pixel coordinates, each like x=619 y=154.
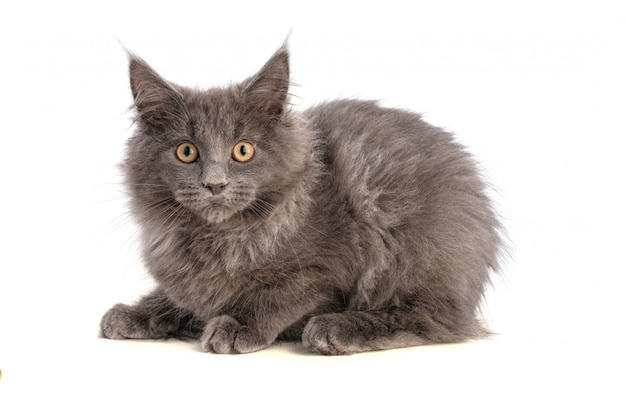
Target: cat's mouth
x=217 y=208
x=215 y=201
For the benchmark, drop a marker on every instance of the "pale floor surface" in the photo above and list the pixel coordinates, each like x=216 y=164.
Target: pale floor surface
x=503 y=376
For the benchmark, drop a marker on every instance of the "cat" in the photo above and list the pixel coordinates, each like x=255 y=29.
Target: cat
x=349 y=226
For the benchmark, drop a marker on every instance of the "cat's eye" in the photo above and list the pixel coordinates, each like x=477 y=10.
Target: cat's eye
x=243 y=152
x=187 y=152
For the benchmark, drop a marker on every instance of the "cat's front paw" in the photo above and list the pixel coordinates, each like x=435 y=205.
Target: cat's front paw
x=224 y=334
x=122 y=322
x=331 y=334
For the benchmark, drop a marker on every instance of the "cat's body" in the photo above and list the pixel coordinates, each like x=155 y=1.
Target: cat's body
x=352 y=227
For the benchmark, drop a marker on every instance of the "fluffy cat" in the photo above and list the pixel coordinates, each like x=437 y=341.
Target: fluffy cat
x=350 y=226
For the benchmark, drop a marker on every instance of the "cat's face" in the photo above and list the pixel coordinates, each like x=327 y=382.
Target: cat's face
x=217 y=153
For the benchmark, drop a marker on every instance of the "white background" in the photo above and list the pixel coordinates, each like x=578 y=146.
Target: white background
x=537 y=90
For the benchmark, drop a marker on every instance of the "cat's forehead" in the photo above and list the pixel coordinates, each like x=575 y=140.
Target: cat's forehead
x=213 y=112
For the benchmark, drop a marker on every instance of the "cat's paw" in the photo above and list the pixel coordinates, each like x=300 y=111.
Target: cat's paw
x=359 y=331
x=331 y=334
x=122 y=322
x=224 y=334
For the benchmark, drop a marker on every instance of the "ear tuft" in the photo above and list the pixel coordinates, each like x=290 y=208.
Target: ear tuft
x=158 y=103
x=267 y=91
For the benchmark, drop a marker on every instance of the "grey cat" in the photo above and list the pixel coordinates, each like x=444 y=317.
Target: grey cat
x=350 y=226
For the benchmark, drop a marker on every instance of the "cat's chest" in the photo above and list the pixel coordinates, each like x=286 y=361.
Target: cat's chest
x=201 y=255
x=206 y=272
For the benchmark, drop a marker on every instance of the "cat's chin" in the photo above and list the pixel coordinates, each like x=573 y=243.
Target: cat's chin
x=216 y=221
x=211 y=211
x=216 y=215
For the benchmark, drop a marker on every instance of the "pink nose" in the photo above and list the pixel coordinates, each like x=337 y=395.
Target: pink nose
x=216 y=188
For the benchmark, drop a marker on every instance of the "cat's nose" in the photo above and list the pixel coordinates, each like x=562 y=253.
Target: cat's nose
x=216 y=189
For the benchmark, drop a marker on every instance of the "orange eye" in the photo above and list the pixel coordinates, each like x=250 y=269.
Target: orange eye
x=243 y=152
x=187 y=152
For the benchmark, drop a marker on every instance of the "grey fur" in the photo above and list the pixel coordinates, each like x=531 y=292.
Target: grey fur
x=354 y=227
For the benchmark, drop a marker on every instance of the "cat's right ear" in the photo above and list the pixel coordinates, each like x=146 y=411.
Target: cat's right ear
x=157 y=102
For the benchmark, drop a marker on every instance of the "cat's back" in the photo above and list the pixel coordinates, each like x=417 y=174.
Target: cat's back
x=389 y=155
x=392 y=172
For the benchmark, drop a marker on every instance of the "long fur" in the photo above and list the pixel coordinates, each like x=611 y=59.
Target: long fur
x=354 y=227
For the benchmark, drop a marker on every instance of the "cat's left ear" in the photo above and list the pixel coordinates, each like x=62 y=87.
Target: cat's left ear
x=267 y=91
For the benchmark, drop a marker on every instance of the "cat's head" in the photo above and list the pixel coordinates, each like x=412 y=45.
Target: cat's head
x=217 y=153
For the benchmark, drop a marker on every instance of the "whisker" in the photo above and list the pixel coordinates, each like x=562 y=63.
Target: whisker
x=262 y=208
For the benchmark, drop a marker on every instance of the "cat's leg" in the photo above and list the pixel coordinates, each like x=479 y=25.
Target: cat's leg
x=153 y=317
x=361 y=331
